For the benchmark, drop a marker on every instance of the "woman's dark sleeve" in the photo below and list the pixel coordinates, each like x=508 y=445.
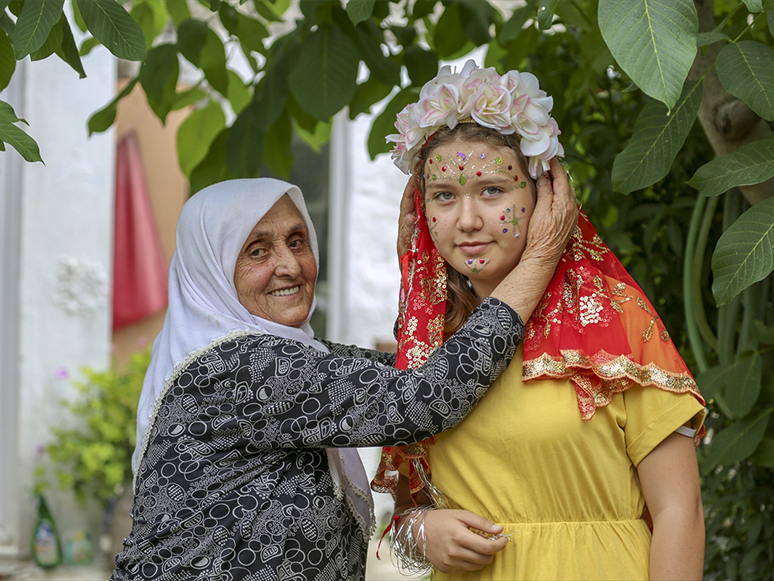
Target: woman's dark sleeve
x=301 y=397
x=337 y=349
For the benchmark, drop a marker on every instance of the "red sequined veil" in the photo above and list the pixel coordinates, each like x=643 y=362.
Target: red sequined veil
x=577 y=331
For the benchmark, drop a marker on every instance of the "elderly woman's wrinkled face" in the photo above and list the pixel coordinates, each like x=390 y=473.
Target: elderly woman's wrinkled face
x=478 y=202
x=275 y=271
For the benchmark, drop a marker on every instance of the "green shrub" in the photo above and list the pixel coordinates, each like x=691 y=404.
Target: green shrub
x=94 y=459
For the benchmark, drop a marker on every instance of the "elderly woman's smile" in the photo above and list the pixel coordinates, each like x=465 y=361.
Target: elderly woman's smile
x=275 y=271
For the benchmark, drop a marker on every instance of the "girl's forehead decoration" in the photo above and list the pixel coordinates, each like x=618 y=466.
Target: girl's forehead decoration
x=464 y=167
x=511 y=104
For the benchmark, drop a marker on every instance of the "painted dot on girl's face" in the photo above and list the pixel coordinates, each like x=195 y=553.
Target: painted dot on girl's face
x=470 y=261
x=481 y=261
x=462 y=167
x=443 y=168
x=510 y=167
x=502 y=217
x=523 y=210
x=478 y=173
x=430 y=161
x=505 y=230
x=482 y=156
x=434 y=219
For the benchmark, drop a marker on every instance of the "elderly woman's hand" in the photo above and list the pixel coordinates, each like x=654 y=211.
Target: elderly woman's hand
x=550 y=228
x=554 y=219
x=408 y=217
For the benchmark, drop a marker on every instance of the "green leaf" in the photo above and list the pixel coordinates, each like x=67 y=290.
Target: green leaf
x=109 y=23
x=323 y=80
x=705 y=38
x=196 y=133
x=213 y=168
x=763 y=333
x=764 y=453
x=14 y=136
x=104 y=118
x=244 y=147
x=449 y=37
x=712 y=381
x=359 y=10
x=34 y=25
x=267 y=10
x=178 y=10
x=238 y=93
x=744 y=253
x=251 y=33
x=189 y=97
x=78 y=17
x=658 y=136
x=404 y=34
x=546 y=10
x=7 y=60
x=754 y=6
x=384 y=124
x=477 y=19
x=514 y=25
x=737 y=441
x=752 y=163
x=191 y=36
x=277 y=155
x=742 y=393
x=422 y=8
x=212 y=61
x=87 y=45
x=8 y=26
x=366 y=94
x=152 y=16
x=746 y=70
x=68 y=50
x=519 y=49
x=52 y=43
x=654 y=42
x=316 y=138
x=421 y=64
x=158 y=77
x=383 y=68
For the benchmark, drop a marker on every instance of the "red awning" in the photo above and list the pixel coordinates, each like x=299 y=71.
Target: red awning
x=139 y=266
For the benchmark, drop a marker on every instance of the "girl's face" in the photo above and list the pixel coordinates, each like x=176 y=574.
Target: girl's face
x=478 y=202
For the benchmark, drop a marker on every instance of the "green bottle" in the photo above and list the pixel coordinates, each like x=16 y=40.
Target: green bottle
x=46 y=548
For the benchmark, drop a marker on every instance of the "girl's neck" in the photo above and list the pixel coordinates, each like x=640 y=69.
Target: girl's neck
x=483 y=288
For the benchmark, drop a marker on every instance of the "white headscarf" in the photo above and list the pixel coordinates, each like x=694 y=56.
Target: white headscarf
x=203 y=303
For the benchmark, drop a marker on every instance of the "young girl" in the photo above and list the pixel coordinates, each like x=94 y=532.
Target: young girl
x=579 y=450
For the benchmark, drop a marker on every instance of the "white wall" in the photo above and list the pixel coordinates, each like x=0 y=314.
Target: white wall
x=62 y=318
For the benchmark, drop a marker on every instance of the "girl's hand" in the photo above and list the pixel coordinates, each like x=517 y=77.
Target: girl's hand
x=408 y=218
x=453 y=548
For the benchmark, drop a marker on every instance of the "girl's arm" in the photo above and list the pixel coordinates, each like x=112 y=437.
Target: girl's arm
x=452 y=547
x=670 y=482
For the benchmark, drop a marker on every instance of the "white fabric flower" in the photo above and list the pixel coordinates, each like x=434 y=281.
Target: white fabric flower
x=511 y=103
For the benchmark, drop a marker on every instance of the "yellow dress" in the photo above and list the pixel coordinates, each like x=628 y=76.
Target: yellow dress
x=567 y=490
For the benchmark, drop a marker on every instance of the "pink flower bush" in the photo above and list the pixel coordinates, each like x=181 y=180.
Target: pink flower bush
x=510 y=104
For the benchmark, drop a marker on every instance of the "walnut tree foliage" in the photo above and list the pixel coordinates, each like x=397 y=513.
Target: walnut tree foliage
x=666 y=109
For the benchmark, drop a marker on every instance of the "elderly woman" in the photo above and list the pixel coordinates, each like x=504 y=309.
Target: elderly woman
x=244 y=467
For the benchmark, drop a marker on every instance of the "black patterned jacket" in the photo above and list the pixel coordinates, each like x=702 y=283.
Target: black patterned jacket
x=234 y=483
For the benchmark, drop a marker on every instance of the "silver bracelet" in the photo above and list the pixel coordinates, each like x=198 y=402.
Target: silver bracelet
x=409 y=542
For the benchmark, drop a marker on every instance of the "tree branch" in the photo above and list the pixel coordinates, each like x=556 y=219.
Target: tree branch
x=728 y=122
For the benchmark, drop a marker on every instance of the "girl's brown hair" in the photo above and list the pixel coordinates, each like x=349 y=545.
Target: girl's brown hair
x=461 y=300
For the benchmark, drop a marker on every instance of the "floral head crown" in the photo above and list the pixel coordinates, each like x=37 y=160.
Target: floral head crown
x=511 y=103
